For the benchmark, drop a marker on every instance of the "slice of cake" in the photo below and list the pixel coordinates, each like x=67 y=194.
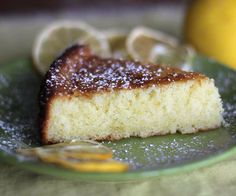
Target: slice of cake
x=86 y=97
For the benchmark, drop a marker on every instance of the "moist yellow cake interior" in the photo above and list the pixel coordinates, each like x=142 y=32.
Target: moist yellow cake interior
x=182 y=106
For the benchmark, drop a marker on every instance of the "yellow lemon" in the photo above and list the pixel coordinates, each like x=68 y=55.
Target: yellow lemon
x=210 y=26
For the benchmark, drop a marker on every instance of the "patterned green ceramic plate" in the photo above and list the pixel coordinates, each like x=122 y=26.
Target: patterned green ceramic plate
x=154 y=156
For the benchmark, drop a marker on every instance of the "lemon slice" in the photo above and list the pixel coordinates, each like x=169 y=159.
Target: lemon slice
x=56 y=37
x=84 y=165
x=81 y=150
x=84 y=156
x=179 y=56
x=141 y=41
x=116 y=40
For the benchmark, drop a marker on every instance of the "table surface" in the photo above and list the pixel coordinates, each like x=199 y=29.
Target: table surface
x=16 y=37
x=218 y=179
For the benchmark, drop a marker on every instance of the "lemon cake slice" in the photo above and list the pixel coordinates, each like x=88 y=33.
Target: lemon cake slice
x=86 y=97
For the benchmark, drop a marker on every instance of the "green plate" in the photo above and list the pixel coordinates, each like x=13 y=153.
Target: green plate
x=150 y=157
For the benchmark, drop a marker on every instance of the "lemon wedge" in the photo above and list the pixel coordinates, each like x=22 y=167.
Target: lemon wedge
x=210 y=27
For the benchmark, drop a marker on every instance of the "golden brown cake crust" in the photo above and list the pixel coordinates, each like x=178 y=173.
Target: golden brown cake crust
x=77 y=72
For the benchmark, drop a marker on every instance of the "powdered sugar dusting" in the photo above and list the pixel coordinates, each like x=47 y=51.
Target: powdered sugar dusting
x=79 y=72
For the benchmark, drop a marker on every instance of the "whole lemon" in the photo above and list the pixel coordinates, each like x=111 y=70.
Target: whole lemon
x=210 y=26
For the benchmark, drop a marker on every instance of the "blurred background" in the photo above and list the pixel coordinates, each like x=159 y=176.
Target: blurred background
x=21 y=20
x=29 y=7
x=210 y=25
